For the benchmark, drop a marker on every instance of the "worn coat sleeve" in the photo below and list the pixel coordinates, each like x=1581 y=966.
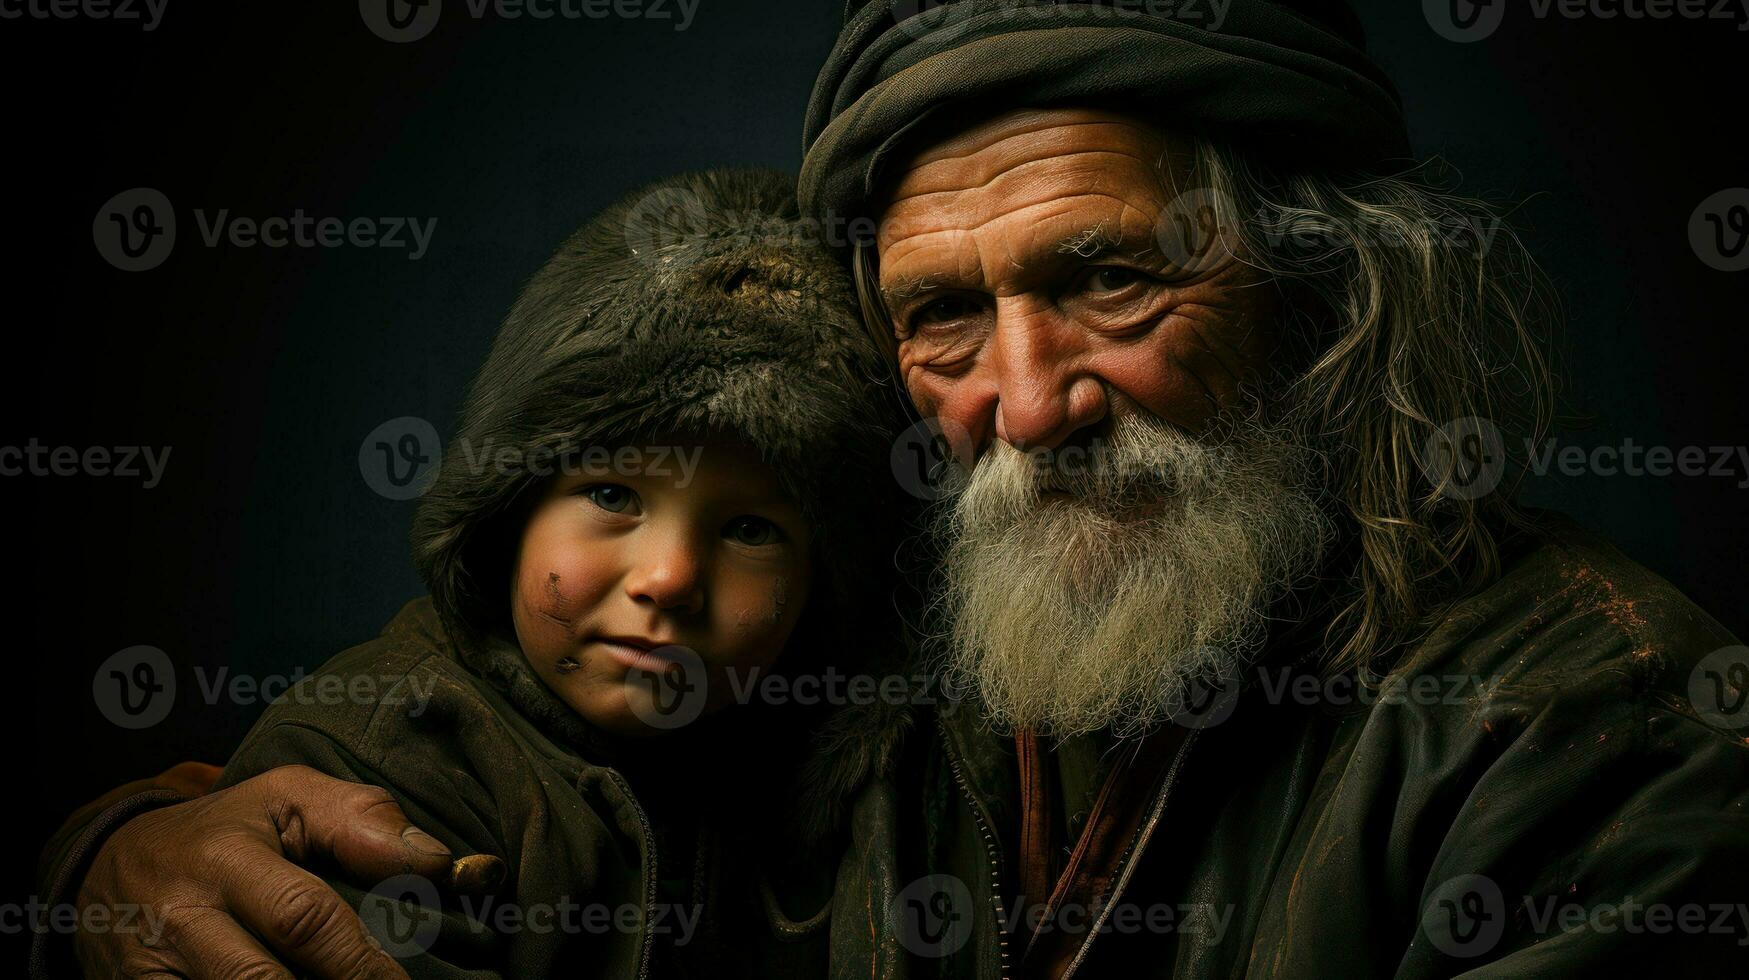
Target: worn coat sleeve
x=470 y=771
x=429 y=932
x=1583 y=817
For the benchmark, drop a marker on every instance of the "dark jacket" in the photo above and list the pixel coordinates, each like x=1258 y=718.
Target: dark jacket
x=1548 y=766
x=688 y=874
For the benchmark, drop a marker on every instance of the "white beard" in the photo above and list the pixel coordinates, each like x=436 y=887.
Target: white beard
x=1151 y=565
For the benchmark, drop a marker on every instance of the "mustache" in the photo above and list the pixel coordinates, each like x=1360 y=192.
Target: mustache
x=1131 y=461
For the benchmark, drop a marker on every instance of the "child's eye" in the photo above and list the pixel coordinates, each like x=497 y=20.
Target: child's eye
x=611 y=497
x=752 y=531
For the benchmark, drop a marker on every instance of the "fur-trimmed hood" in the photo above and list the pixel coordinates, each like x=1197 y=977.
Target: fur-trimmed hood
x=699 y=305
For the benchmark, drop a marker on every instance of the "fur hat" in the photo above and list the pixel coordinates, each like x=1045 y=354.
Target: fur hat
x=700 y=305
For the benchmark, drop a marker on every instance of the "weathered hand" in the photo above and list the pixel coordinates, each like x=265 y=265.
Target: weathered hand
x=213 y=889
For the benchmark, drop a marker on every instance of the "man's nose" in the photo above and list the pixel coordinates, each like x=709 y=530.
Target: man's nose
x=668 y=575
x=1043 y=395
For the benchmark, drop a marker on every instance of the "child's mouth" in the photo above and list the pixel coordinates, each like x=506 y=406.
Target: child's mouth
x=638 y=653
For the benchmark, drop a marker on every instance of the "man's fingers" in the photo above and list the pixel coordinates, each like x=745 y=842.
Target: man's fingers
x=99 y=955
x=360 y=827
x=307 y=923
x=221 y=949
x=229 y=903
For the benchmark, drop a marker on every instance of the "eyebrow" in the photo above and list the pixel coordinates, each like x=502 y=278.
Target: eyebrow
x=905 y=287
x=1086 y=245
x=1089 y=242
x=1100 y=241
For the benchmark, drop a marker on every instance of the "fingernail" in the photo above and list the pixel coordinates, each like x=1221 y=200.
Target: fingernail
x=424 y=843
x=476 y=873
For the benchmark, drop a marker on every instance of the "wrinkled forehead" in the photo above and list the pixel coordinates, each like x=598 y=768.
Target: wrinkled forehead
x=1024 y=186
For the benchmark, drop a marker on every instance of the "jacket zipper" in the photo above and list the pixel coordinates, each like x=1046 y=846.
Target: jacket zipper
x=990 y=852
x=1126 y=863
x=649 y=880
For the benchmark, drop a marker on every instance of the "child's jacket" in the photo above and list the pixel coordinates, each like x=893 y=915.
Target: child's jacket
x=699 y=306
x=595 y=888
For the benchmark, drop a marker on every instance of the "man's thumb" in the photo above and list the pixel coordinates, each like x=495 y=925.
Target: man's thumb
x=360 y=827
x=381 y=842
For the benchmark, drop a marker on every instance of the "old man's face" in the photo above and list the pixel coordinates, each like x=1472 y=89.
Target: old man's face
x=1021 y=266
x=1134 y=508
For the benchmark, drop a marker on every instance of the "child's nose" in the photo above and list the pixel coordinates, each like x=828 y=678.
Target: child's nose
x=670 y=580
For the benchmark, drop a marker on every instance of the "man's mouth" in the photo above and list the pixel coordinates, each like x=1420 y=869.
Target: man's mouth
x=1122 y=505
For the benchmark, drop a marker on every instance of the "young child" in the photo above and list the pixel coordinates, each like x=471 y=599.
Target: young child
x=669 y=485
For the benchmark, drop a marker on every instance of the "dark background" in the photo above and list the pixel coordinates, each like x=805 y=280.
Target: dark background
x=264 y=549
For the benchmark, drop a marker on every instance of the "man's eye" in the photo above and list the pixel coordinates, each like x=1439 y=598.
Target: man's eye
x=1111 y=278
x=611 y=497
x=945 y=310
x=752 y=531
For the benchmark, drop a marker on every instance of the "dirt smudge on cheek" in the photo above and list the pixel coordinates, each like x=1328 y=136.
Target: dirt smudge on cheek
x=745 y=619
x=555 y=606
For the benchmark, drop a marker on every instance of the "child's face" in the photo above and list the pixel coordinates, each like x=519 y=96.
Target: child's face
x=616 y=563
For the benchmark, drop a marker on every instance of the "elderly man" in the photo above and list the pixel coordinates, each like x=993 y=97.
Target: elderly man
x=1260 y=671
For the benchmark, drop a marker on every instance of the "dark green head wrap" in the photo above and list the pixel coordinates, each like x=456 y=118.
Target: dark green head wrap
x=1278 y=76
